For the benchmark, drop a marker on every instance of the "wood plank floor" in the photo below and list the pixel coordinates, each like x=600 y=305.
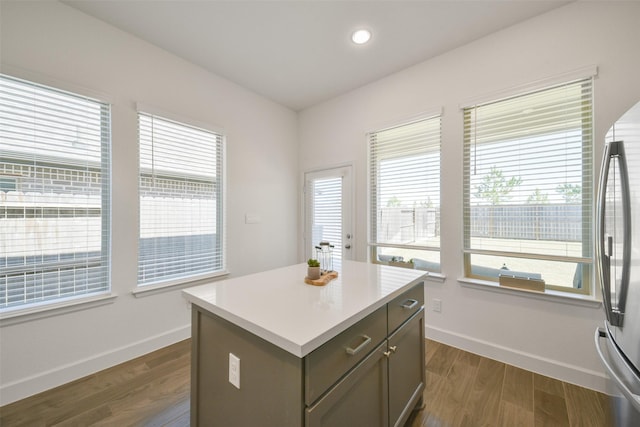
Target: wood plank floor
x=463 y=389
x=152 y=390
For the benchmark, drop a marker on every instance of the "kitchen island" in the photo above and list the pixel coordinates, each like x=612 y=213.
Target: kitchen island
x=270 y=350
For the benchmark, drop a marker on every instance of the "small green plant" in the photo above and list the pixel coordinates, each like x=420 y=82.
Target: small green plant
x=313 y=262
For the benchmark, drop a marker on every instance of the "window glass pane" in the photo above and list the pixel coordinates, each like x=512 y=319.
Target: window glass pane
x=405 y=192
x=420 y=259
x=54 y=194
x=528 y=182
x=561 y=275
x=180 y=201
x=326 y=212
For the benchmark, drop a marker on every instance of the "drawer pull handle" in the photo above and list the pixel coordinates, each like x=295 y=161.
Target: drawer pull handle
x=362 y=345
x=393 y=348
x=409 y=304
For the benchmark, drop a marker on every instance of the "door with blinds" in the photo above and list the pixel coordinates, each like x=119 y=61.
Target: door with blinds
x=328 y=206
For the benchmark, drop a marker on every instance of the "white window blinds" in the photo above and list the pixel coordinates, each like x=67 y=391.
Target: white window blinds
x=54 y=194
x=528 y=185
x=181 y=201
x=405 y=192
x=324 y=208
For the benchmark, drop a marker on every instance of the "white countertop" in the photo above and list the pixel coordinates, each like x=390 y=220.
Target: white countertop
x=278 y=306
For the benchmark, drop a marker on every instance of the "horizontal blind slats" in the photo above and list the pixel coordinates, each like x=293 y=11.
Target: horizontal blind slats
x=180 y=180
x=55 y=170
x=527 y=173
x=324 y=214
x=404 y=183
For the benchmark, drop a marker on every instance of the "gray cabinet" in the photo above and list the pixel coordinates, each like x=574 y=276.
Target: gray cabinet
x=370 y=374
x=270 y=394
x=331 y=361
x=406 y=369
x=382 y=389
x=359 y=398
x=406 y=354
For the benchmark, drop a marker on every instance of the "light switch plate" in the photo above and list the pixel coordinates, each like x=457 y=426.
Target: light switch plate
x=252 y=218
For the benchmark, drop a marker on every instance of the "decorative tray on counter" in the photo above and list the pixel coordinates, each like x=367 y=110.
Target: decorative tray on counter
x=323 y=280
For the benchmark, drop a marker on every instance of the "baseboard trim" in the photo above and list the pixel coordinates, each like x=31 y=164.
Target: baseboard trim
x=43 y=381
x=25 y=387
x=531 y=362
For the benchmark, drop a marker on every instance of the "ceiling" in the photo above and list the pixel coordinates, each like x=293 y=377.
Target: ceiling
x=299 y=53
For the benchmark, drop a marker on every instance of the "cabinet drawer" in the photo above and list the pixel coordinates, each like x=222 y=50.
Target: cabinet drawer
x=329 y=362
x=358 y=399
x=405 y=306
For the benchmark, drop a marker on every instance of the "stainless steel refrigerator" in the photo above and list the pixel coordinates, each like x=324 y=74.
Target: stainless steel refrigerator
x=618 y=264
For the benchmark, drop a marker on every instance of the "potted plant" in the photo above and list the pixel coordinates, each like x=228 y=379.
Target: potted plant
x=313 y=269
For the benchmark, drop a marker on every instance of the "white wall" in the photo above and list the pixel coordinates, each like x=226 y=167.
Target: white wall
x=552 y=338
x=53 y=44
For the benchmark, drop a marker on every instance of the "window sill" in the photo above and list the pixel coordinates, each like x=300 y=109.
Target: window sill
x=147 y=290
x=435 y=277
x=49 y=309
x=548 y=295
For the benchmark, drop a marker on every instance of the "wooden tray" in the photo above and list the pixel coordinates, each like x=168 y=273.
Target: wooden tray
x=323 y=280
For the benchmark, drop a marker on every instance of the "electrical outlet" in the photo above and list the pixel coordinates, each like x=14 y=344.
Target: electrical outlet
x=436 y=305
x=234 y=370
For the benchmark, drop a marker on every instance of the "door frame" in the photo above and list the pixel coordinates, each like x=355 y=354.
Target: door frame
x=348 y=196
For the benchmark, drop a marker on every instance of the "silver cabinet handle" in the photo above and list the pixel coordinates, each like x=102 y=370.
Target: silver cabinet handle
x=362 y=345
x=409 y=304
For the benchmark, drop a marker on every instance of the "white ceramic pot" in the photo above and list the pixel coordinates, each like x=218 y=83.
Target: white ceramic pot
x=313 y=273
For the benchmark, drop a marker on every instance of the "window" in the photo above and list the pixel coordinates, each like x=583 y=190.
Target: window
x=54 y=195
x=404 y=174
x=528 y=187
x=181 y=202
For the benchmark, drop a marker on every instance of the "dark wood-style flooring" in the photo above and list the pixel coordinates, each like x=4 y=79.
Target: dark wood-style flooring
x=463 y=389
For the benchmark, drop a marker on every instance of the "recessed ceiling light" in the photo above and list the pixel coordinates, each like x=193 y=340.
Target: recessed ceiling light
x=361 y=36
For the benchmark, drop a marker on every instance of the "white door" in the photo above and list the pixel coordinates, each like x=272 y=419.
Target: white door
x=328 y=212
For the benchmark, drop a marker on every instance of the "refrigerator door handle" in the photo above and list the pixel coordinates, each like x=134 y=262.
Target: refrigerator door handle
x=631 y=396
x=615 y=314
x=626 y=230
x=602 y=257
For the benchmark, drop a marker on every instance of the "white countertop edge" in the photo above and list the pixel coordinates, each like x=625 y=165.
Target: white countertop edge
x=300 y=350
x=347 y=323
x=259 y=331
